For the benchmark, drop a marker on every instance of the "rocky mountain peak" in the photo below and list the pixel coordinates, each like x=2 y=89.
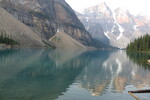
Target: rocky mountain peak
x=122 y=15
x=99 y=10
x=102 y=7
x=114 y=27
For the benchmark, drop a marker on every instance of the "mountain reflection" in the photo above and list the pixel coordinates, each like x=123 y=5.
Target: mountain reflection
x=32 y=74
x=113 y=74
x=43 y=74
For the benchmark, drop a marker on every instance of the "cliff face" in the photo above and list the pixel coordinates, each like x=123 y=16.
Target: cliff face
x=46 y=16
x=10 y=26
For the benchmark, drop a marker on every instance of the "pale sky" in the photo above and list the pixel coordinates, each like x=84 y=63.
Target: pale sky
x=134 y=6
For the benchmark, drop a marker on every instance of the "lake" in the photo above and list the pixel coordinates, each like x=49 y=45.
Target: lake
x=45 y=74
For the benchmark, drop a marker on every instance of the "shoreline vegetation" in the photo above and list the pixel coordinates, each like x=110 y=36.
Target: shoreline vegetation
x=142 y=44
x=6 y=41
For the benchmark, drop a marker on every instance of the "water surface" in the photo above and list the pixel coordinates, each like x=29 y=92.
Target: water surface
x=43 y=74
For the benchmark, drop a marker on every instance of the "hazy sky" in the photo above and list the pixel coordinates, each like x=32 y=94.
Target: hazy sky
x=134 y=6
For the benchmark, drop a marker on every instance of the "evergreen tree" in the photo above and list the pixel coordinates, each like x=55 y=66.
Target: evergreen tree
x=6 y=39
x=140 y=44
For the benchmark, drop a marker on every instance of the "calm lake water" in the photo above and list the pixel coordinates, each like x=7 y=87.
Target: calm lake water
x=43 y=74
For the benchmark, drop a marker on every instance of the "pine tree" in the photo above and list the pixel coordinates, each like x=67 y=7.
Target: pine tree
x=140 y=44
x=6 y=39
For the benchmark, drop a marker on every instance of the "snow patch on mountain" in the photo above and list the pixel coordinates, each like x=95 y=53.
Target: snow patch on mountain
x=120 y=27
x=87 y=19
x=120 y=35
x=57 y=30
x=112 y=30
x=87 y=27
x=106 y=34
x=135 y=27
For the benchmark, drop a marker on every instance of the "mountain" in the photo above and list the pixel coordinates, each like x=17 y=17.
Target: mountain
x=63 y=40
x=20 y=32
x=113 y=27
x=45 y=17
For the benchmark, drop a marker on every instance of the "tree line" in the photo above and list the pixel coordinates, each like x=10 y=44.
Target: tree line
x=140 y=44
x=6 y=39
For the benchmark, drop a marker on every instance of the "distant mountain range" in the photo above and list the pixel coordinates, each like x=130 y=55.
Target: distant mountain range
x=53 y=23
x=113 y=27
x=33 y=23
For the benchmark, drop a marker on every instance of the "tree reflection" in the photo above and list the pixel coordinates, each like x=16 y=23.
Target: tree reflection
x=139 y=58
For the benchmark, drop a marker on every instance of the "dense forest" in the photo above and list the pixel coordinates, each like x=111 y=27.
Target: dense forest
x=140 y=44
x=4 y=39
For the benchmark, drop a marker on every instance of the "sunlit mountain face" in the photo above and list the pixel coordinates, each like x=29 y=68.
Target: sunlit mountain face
x=115 y=27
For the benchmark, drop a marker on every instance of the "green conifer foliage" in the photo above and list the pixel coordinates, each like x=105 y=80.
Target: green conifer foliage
x=4 y=39
x=140 y=44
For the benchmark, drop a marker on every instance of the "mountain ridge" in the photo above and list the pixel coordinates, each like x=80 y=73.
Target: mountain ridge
x=113 y=27
x=46 y=17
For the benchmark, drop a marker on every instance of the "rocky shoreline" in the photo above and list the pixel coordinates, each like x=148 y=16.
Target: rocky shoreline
x=5 y=46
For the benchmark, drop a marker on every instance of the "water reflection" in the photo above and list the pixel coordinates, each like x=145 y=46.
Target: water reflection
x=32 y=74
x=114 y=74
x=42 y=74
x=139 y=58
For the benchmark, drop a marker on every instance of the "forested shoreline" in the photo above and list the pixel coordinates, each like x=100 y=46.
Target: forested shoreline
x=6 y=39
x=140 y=44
